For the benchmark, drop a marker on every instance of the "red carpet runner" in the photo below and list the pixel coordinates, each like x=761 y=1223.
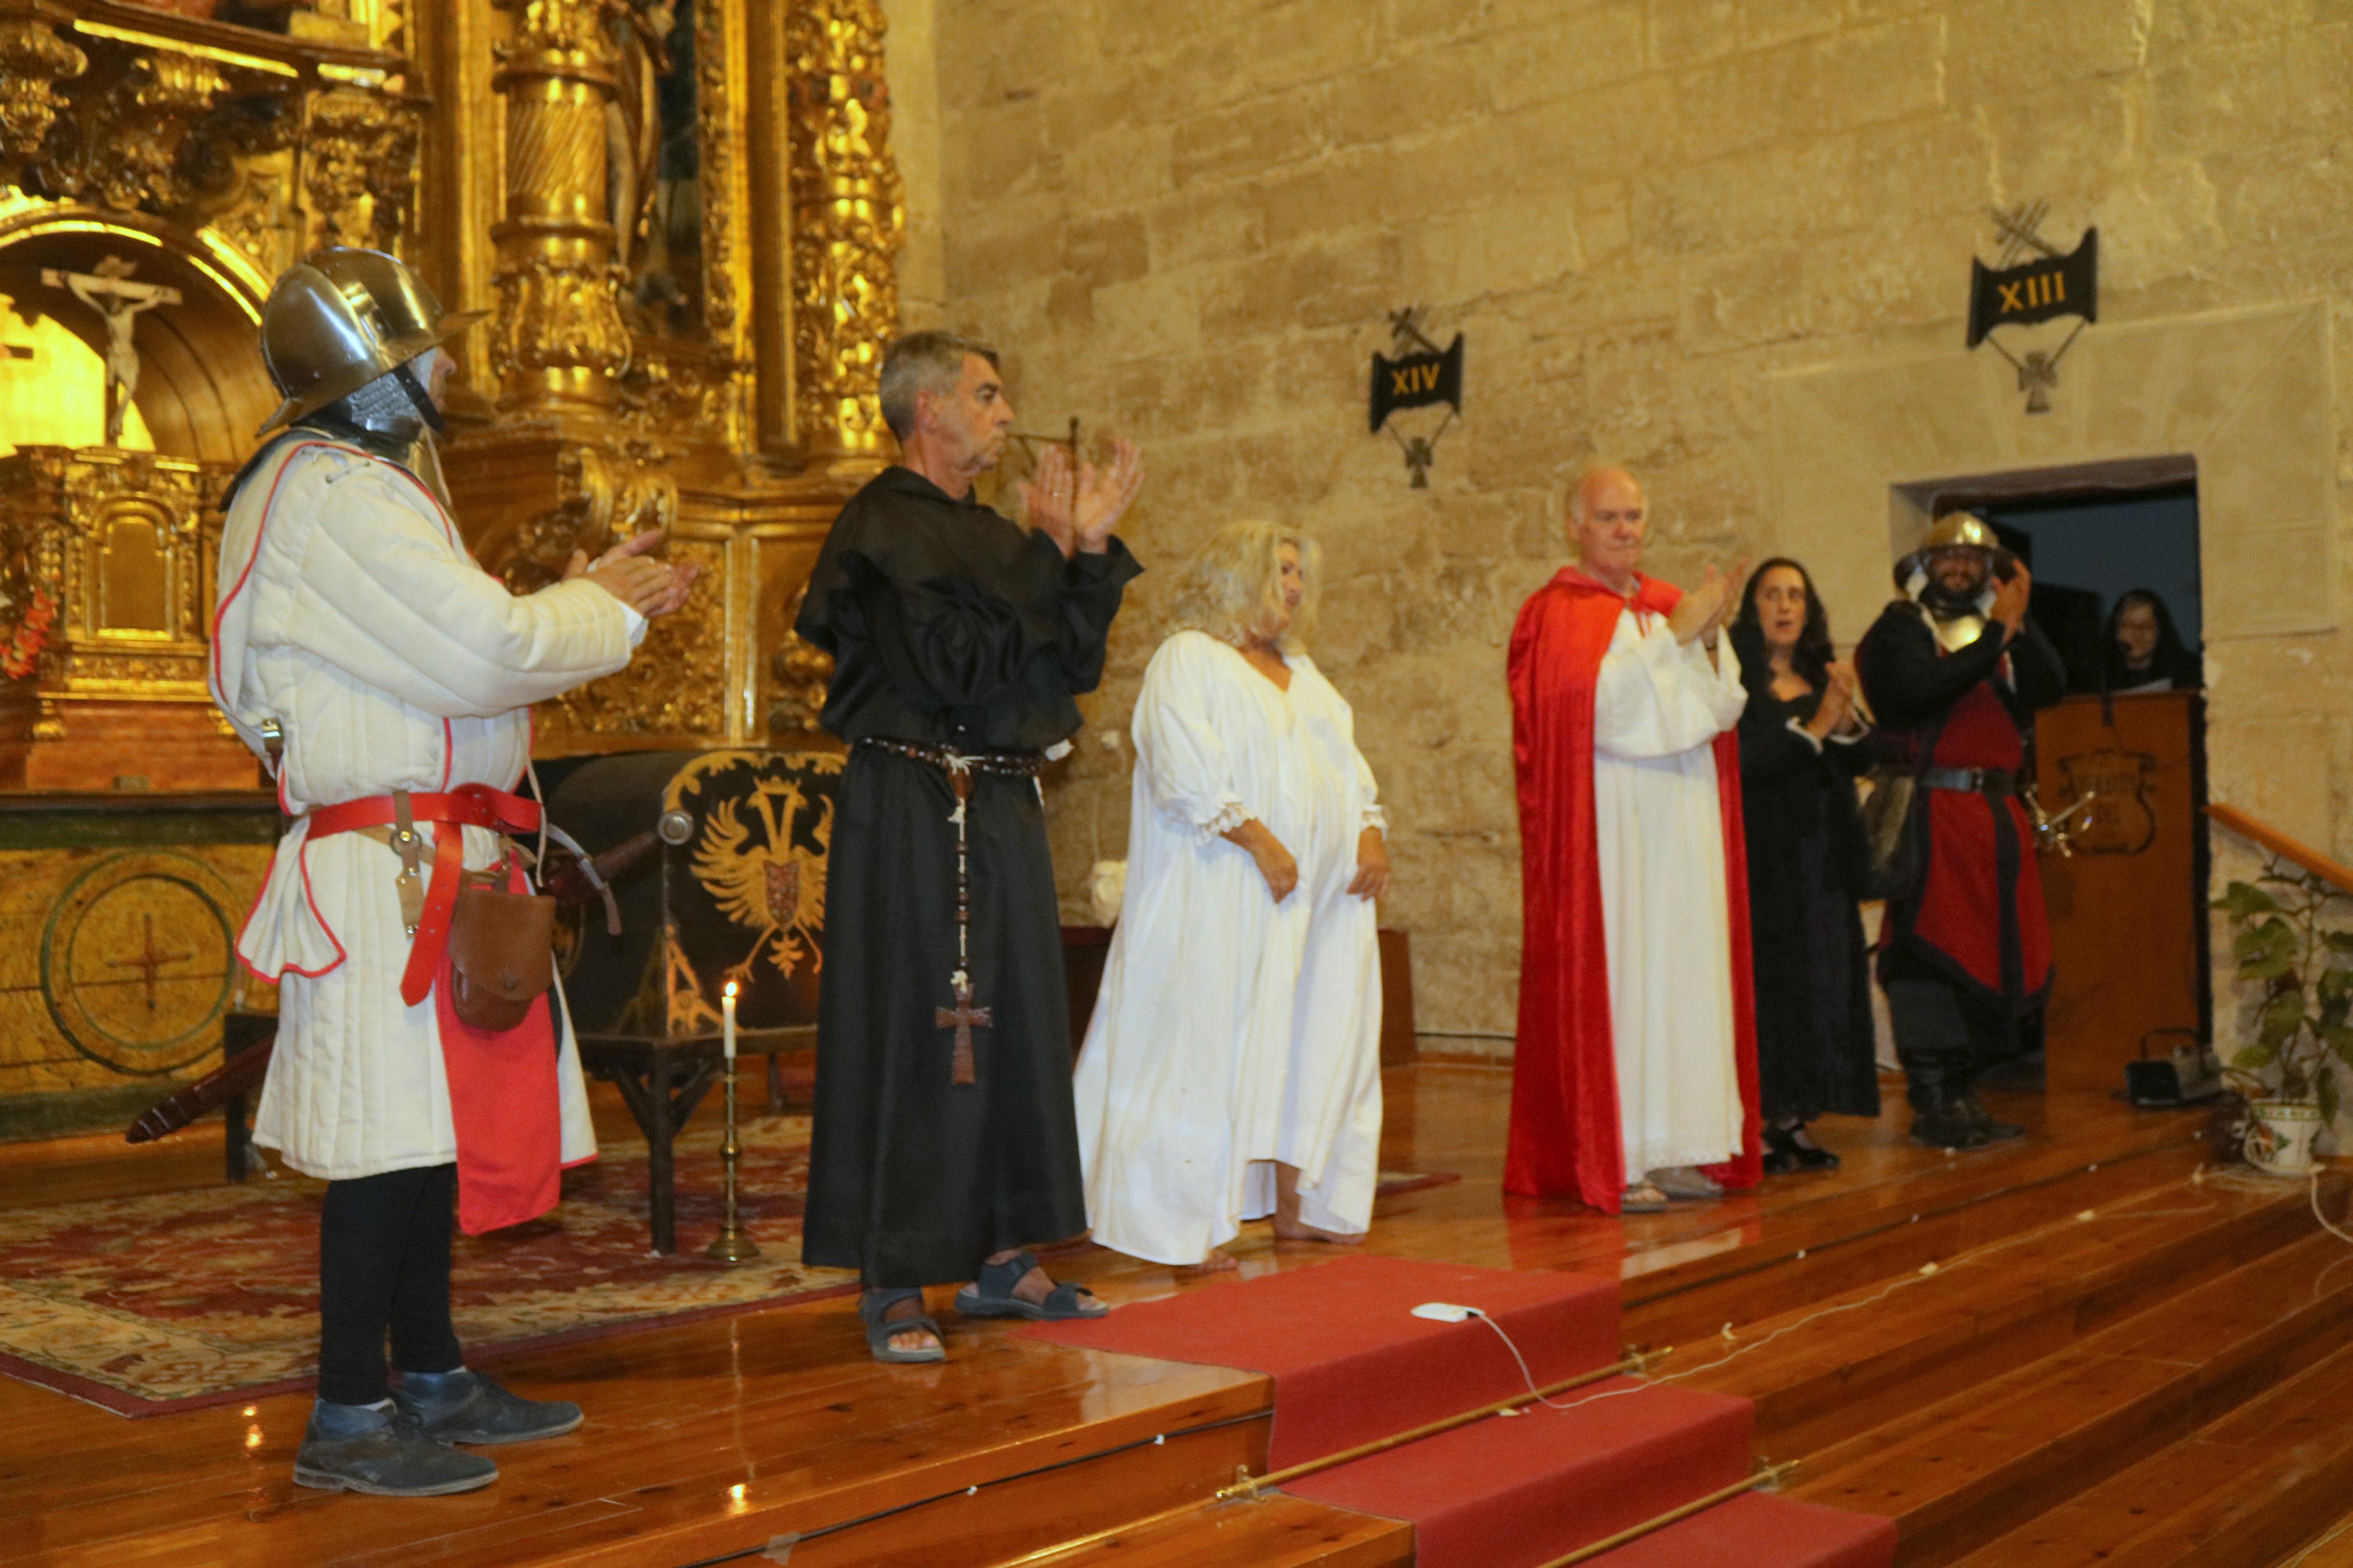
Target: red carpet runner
x=1351 y=1364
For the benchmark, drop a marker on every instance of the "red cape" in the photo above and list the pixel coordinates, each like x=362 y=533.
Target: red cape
x=1564 y=1139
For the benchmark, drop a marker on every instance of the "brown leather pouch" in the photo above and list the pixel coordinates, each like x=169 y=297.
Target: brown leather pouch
x=501 y=956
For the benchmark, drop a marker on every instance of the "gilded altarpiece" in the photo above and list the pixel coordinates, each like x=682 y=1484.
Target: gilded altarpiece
x=683 y=217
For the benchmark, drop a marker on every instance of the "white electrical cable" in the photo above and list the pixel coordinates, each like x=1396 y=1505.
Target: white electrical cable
x=1526 y=1375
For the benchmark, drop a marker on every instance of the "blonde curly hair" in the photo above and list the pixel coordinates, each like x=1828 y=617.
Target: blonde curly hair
x=1232 y=587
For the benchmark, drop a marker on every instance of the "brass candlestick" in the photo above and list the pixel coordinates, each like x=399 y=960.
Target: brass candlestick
x=732 y=1245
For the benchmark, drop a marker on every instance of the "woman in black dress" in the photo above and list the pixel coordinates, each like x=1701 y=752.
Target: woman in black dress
x=1799 y=753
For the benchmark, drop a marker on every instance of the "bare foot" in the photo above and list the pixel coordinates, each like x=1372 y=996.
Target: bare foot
x=914 y=1338
x=1300 y=1230
x=1216 y=1262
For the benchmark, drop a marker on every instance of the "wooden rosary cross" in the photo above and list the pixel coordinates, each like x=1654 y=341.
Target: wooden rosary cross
x=964 y=1017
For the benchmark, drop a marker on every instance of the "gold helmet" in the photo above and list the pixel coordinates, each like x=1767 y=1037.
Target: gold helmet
x=1954 y=531
x=343 y=317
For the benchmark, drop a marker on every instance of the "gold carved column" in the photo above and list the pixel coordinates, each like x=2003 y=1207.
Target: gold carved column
x=559 y=334
x=849 y=215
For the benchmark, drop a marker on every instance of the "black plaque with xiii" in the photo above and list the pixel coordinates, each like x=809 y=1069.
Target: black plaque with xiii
x=2045 y=287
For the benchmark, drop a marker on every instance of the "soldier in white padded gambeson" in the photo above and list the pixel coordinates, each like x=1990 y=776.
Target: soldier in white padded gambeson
x=387 y=679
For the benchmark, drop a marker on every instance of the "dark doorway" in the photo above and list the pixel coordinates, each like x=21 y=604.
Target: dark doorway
x=2119 y=939
x=2086 y=553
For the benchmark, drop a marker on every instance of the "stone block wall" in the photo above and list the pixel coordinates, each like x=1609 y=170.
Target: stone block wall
x=1187 y=222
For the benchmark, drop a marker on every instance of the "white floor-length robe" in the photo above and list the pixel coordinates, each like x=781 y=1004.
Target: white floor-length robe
x=1657 y=709
x=1231 y=1030
x=352 y=613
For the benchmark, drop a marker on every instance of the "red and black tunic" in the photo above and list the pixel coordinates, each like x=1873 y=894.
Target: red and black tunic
x=1975 y=918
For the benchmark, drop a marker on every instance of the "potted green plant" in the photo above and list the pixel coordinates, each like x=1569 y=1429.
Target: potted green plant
x=2304 y=1022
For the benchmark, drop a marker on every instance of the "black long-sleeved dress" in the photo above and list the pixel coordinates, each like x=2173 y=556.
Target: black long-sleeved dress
x=949 y=628
x=1806 y=868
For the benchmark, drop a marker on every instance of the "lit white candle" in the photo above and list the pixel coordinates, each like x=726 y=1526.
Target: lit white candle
x=727 y=1033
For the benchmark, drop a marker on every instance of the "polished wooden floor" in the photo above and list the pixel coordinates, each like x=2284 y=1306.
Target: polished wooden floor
x=710 y=1442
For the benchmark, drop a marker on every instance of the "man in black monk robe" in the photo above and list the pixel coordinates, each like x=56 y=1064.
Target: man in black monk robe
x=945 y=1141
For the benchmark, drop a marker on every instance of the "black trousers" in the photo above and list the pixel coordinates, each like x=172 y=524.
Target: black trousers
x=1946 y=1035
x=383 y=1267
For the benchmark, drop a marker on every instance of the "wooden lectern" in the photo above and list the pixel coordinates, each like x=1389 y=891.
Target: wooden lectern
x=2128 y=908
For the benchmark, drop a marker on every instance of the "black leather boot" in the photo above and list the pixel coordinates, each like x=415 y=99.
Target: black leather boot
x=464 y=1407
x=1973 y=1110
x=380 y=1448
x=1938 y=1119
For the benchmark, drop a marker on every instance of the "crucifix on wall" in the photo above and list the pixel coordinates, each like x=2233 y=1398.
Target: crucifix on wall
x=110 y=291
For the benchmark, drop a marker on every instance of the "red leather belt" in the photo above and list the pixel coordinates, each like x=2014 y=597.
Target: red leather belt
x=467 y=806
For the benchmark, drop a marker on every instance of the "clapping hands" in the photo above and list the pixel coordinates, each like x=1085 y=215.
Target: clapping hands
x=1841 y=697
x=649 y=587
x=1699 y=613
x=2010 y=595
x=1104 y=497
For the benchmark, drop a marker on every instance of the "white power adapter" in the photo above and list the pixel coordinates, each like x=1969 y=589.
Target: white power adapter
x=1446 y=1313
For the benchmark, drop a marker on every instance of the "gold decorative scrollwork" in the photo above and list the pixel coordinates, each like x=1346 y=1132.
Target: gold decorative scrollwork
x=849 y=216
x=672 y=385
x=672 y=686
x=799 y=673
x=560 y=332
x=713 y=109
x=115 y=540
x=33 y=61
x=121 y=148
x=559 y=313
x=608 y=496
x=361 y=165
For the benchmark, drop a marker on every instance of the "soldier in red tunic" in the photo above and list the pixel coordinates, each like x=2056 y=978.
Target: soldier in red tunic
x=1958 y=668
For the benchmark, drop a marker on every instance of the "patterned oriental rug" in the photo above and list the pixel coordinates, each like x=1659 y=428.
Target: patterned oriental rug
x=146 y=1305
x=177 y=1300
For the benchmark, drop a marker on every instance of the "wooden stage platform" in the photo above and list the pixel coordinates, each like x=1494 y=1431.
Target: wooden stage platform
x=2110 y=1363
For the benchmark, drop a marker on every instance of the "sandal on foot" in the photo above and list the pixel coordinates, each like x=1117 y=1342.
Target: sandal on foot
x=1642 y=1198
x=871 y=1308
x=991 y=1296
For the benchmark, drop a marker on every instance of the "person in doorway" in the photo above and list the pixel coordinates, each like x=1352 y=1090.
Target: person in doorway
x=1802 y=746
x=1635 y=1079
x=943 y=1140
x=387 y=680
x=1956 y=668
x=1232 y=1070
x=2142 y=651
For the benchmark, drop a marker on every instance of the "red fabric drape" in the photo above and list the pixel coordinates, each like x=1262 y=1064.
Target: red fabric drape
x=1564 y=1132
x=506 y=1106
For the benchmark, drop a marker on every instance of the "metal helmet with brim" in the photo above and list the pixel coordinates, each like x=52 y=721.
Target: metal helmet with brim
x=342 y=317
x=1954 y=531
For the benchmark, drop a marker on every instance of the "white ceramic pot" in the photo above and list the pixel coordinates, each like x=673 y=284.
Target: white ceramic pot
x=2279 y=1136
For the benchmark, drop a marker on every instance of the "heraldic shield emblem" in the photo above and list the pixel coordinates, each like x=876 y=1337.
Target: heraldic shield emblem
x=2110 y=812
x=737 y=894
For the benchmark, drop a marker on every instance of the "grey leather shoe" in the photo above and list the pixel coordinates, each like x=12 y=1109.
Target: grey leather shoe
x=464 y=1407
x=380 y=1449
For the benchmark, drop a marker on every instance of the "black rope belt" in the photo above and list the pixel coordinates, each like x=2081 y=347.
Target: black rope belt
x=961 y=764
x=959 y=767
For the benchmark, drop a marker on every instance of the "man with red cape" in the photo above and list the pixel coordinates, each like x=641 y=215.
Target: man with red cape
x=1635 y=1078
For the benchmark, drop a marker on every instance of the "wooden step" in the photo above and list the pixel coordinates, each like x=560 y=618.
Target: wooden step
x=2331 y=1548
x=1678 y=1291
x=1756 y=1529
x=1983 y=1313
x=1013 y=1446
x=1958 y=1473
x=2243 y=1489
x=1276 y=1531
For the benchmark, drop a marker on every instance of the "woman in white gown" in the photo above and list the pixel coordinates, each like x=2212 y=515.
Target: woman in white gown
x=1232 y=1068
